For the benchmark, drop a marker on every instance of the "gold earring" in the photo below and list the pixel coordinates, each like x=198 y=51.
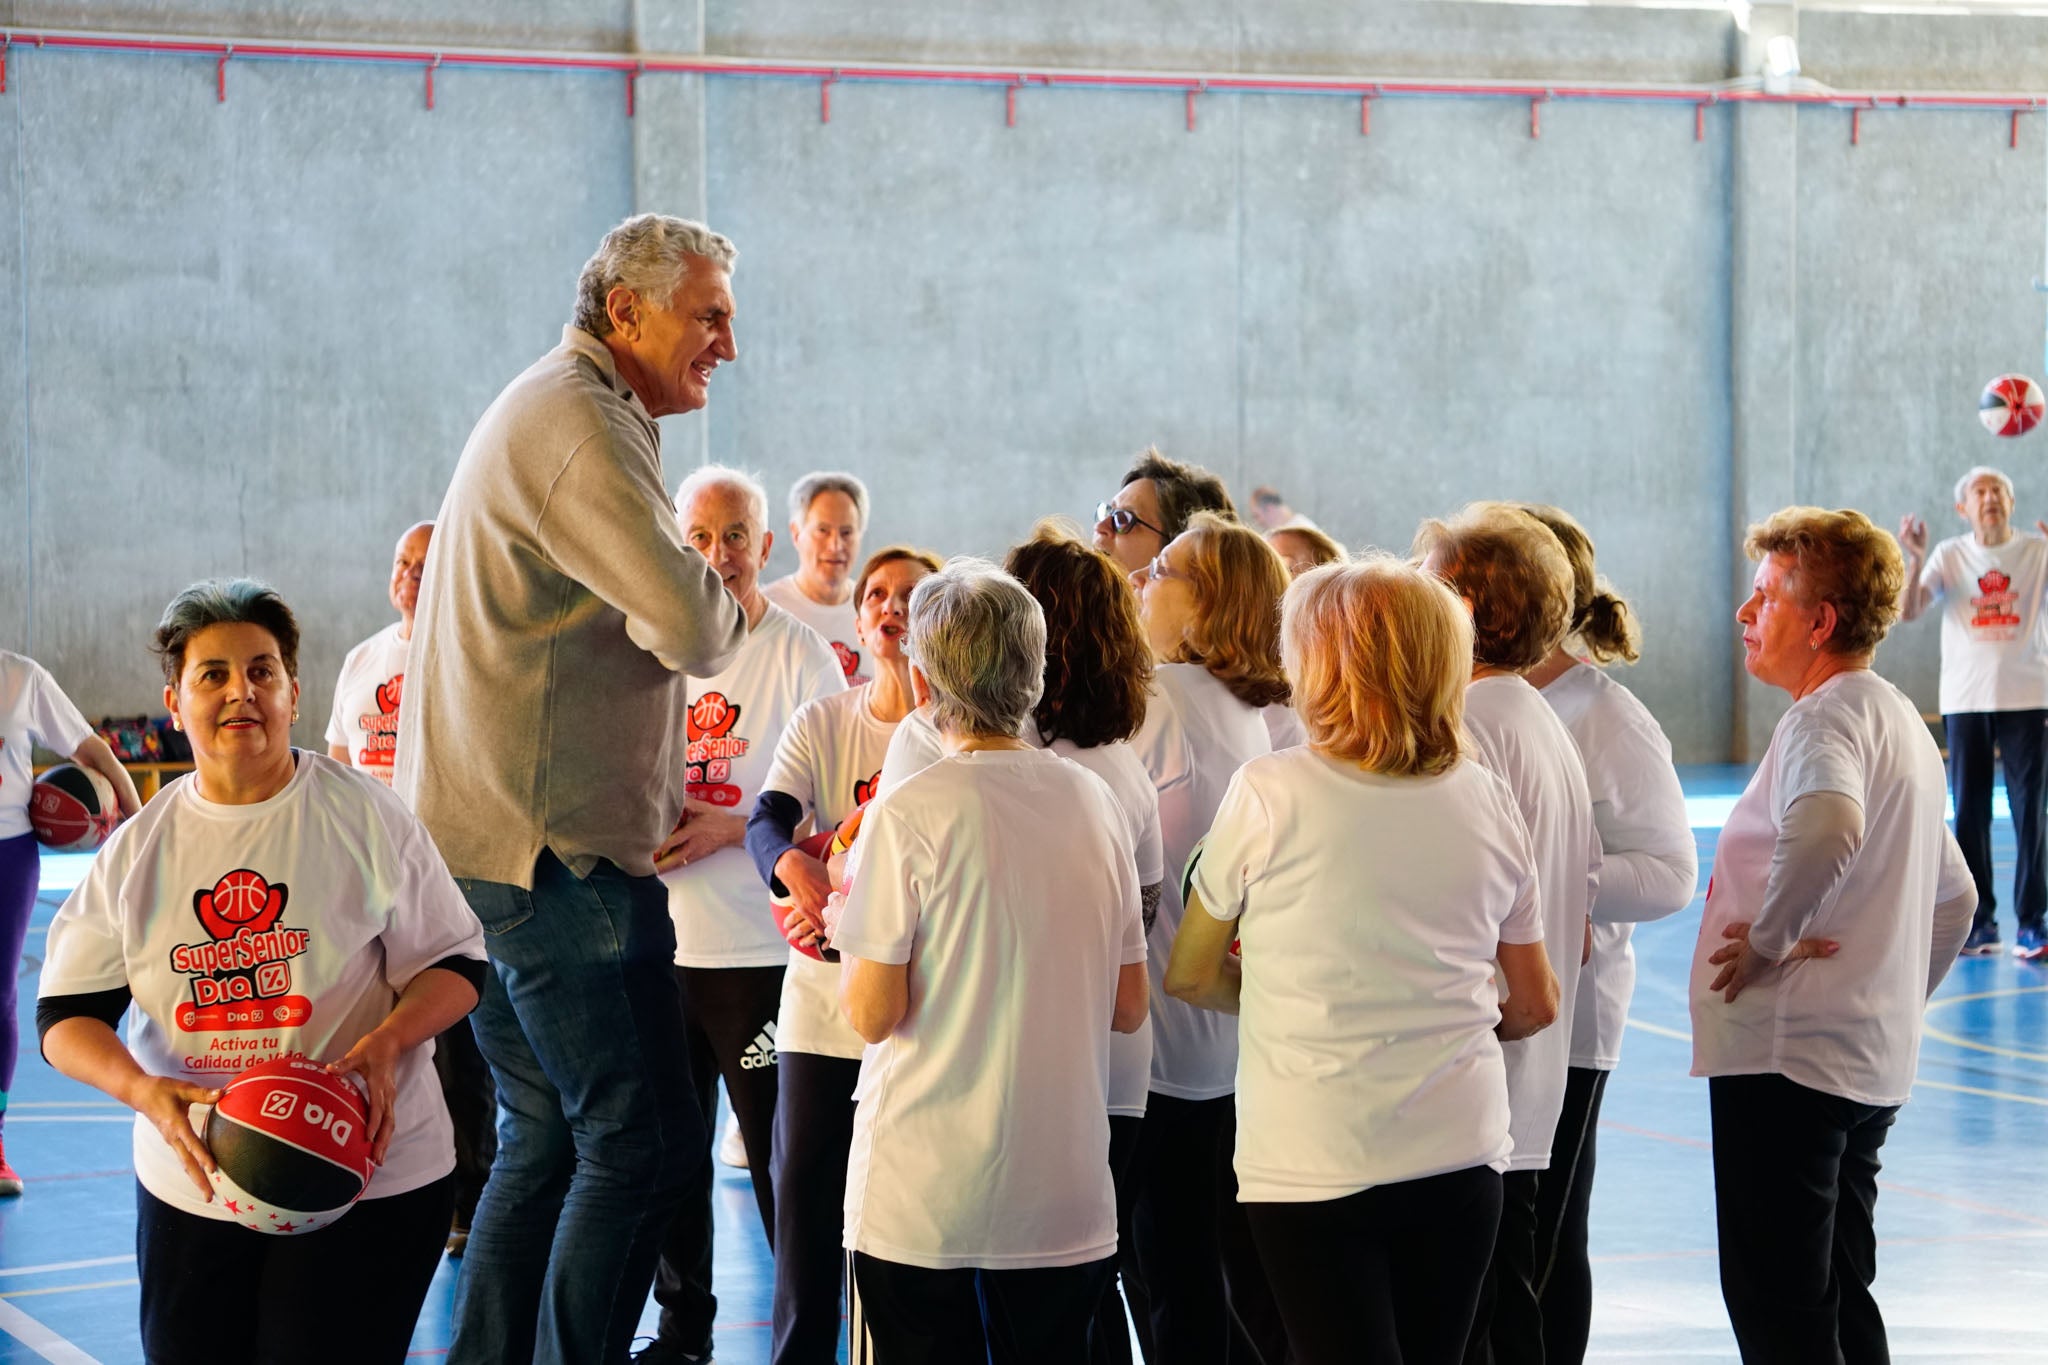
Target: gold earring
x=295 y=717
x=177 y=724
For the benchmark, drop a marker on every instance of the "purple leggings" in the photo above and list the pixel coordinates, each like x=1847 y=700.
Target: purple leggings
x=20 y=866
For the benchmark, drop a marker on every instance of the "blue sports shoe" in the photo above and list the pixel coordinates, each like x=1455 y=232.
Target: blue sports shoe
x=1983 y=940
x=2032 y=944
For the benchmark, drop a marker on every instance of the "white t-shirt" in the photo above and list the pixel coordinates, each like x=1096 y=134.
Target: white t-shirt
x=1195 y=737
x=1283 y=727
x=1372 y=908
x=284 y=928
x=1650 y=859
x=830 y=760
x=719 y=906
x=915 y=746
x=1130 y=1054
x=839 y=625
x=983 y=1120
x=1848 y=1025
x=365 y=716
x=1994 y=656
x=1519 y=737
x=33 y=710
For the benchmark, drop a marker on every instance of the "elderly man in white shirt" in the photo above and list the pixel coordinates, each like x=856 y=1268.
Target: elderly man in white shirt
x=1994 y=689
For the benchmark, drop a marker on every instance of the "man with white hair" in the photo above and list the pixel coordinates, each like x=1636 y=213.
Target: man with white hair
x=1994 y=688
x=828 y=515
x=541 y=744
x=730 y=952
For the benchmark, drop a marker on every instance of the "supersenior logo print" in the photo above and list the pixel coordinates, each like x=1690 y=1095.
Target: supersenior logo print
x=713 y=747
x=241 y=974
x=380 y=727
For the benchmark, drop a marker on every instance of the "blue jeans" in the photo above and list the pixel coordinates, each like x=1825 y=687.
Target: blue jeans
x=599 y=1137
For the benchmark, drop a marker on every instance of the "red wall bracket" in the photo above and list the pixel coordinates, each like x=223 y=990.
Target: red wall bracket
x=632 y=82
x=220 y=76
x=825 y=98
x=430 y=79
x=1536 y=115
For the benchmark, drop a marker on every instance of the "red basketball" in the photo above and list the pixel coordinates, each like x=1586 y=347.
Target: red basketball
x=240 y=896
x=2011 y=405
x=292 y=1146
x=819 y=846
x=73 y=809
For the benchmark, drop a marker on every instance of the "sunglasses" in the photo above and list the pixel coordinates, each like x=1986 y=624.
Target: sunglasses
x=1122 y=519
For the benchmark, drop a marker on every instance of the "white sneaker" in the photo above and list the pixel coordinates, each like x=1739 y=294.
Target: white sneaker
x=732 y=1148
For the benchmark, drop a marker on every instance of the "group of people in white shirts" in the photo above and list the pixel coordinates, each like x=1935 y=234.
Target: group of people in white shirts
x=1233 y=942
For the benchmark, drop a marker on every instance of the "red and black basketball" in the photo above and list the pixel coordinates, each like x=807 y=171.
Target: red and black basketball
x=292 y=1146
x=73 y=809
x=819 y=846
x=2011 y=405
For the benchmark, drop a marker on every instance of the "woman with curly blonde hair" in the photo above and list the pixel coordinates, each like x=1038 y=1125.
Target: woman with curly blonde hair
x=1210 y=603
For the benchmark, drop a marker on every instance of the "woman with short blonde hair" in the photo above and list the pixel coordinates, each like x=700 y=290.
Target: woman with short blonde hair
x=1838 y=850
x=1381 y=884
x=1302 y=545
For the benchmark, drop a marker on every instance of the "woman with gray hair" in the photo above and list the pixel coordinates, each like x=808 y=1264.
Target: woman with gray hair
x=979 y=1208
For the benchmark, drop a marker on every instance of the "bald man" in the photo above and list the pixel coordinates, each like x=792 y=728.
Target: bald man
x=363 y=730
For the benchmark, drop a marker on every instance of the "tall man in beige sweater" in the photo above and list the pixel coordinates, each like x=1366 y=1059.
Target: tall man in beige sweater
x=541 y=742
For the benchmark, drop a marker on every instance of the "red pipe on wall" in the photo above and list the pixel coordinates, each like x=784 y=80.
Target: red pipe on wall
x=1189 y=83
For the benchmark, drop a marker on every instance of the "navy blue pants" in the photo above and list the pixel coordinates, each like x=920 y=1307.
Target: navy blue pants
x=2017 y=736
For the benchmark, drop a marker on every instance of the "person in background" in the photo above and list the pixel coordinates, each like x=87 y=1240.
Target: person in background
x=730 y=953
x=1155 y=503
x=1098 y=672
x=1381 y=884
x=979 y=1206
x=1838 y=902
x=33 y=712
x=362 y=732
x=1208 y=603
x=1649 y=867
x=1517 y=583
x=827 y=767
x=1994 y=689
x=359 y=923
x=828 y=515
x=541 y=743
x=1302 y=546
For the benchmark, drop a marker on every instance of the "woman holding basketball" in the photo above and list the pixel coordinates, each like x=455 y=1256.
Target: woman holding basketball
x=187 y=915
x=33 y=711
x=1649 y=866
x=1380 y=881
x=1210 y=607
x=826 y=766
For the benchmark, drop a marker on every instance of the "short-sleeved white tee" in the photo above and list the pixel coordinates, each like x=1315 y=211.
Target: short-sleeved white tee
x=839 y=625
x=33 y=710
x=365 y=715
x=719 y=906
x=1195 y=737
x=1130 y=1054
x=830 y=760
x=1516 y=734
x=1638 y=809
x=1994 y=653
x=1370 y=911
x=983 y=1120
x=284 y=928
x=1847 y=1025
x=915 y=746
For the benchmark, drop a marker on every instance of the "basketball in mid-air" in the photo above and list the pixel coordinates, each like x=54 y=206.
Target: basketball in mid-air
x=292 y=1146
x=73 y=809
x=2011 y=405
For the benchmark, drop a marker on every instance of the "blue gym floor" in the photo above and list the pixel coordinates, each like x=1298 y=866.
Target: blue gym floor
x=1963 y=1219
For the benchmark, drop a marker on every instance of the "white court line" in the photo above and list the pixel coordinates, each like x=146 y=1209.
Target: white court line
x=64 y=1104
x=13 y=1117
x=40 y=1339
x=56 y=1266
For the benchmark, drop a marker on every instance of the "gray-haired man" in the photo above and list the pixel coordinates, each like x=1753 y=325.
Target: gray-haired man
x=541 y=743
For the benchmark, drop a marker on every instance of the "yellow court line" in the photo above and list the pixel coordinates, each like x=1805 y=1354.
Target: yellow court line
x=64 y=1104
x=71 y=1118
x=67 y=1289
x=1970 y=1044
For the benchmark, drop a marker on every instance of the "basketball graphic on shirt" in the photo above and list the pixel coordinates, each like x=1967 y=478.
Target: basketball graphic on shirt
x=1995 y=607
x=865 y=789
x=713 y=747
x=241 y=975
x=849 y=660
x=388 y=693
x=240 y=901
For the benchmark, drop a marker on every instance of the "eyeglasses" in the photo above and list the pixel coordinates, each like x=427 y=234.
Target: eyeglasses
x=1122 y=519
x=1160 y=568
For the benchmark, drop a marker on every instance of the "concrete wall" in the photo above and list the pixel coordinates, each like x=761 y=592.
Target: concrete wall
x=251 y=336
